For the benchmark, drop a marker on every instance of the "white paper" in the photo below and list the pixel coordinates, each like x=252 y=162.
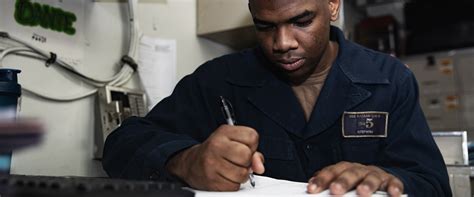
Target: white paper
x=157 y=67
x=266 y=186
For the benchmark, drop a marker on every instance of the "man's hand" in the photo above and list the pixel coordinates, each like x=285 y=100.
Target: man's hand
x=344 y=176
x=222 y=162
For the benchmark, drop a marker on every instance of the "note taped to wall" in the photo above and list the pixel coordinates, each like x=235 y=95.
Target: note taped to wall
x=157 y=67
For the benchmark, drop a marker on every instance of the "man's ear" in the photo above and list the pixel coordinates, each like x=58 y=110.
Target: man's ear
x=334 y=7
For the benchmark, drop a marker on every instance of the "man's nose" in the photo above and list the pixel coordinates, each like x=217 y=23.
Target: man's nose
x=284 y=40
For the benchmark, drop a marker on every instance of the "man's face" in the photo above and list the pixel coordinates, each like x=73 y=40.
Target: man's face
x=294 y=34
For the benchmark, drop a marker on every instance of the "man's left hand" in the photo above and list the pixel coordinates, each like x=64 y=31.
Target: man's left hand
x=345 y=176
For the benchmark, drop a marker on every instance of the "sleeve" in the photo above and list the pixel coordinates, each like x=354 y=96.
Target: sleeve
x=140 y=147
x=411 y=153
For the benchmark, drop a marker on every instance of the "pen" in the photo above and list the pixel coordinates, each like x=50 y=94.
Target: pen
x=228 y=115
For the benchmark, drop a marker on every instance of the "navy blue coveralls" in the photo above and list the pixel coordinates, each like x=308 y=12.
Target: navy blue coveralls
x=360 y=80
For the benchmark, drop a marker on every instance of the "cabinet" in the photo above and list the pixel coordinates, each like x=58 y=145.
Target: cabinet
x=226 y=21
x=445 y=87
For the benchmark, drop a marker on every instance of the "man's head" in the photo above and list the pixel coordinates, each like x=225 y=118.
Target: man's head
x=294 y=34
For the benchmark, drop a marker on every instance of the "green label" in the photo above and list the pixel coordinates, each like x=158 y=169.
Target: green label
x=33 y=14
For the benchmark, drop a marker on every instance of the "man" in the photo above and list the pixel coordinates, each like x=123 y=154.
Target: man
x=318 y=108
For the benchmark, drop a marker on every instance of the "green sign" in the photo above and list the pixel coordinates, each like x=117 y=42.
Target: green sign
x=33 y=14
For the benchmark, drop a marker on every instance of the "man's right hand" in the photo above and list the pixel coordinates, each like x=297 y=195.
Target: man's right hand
x=222 y=162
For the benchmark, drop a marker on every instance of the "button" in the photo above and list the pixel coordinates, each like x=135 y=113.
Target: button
x=110 y=187
x=82 y=187
x=309 y=147
x=20 y=183
x=42 y=184
x=31 y=184
x=55 y=185
x=4 y=181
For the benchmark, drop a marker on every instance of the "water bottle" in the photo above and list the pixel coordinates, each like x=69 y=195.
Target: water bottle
x=10 y=92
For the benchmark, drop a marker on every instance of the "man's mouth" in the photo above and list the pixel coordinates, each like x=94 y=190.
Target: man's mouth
x=290 y=64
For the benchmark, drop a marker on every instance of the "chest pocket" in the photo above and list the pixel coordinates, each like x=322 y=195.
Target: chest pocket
x=361 y=150
x=276 y=148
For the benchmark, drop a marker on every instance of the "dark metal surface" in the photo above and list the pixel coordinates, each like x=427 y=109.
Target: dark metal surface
x=35 y=186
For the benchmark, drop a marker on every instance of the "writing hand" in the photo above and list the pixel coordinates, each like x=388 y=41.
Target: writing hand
x=344 y=176
x=222 y=162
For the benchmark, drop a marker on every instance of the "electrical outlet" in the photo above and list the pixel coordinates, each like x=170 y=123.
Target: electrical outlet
x=113 y=106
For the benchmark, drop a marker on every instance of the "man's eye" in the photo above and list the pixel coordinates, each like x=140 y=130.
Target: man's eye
x=303 y=23
x=263 y=27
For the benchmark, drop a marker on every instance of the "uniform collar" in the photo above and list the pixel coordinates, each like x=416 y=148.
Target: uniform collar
x=356 y=64
x=251 y=67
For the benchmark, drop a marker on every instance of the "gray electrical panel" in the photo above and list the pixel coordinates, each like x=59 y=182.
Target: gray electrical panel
x=113 y=105
x=446 y=92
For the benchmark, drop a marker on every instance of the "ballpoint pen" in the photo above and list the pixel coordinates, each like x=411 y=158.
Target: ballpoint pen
x=228 y=115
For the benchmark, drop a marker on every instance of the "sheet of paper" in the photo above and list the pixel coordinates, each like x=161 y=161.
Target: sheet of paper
x=157 y=70
x=266 y=186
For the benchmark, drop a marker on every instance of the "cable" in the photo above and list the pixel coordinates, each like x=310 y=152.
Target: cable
x=69 y=99
x=29 y=54
x=10 y=51
x=65 y=65
x=128 y=65
x=15 y=50
x=124 y=80
x=122 y=77
x=135 y=33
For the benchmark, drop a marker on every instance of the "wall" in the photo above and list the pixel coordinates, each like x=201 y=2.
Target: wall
x=177 y=20
x=68 y=142
x=352 y=16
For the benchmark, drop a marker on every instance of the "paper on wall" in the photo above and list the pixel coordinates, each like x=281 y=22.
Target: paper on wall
x=157 y=67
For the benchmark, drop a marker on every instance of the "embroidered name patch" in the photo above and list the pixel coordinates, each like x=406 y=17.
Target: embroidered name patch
x=364 y=124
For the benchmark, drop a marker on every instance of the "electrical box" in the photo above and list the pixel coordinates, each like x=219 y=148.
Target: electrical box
x=442 y=111
x=459 y=180
x=434 y=73
x=113 y=106
x=453 y=147
x=465 y=67
x=445 y=87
